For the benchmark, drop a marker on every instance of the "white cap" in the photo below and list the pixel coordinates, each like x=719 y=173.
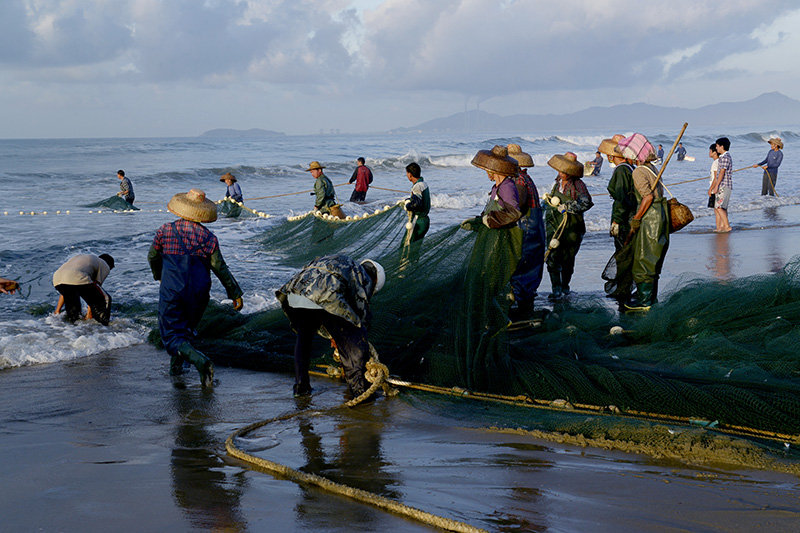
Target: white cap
x=381 y=274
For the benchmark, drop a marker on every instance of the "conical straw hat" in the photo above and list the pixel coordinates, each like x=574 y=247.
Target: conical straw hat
x=523 y=159
x=314 y=165
x=193 y=206
x=608 y=147
x=567 y=163
x=228 y=176
x=496 y=160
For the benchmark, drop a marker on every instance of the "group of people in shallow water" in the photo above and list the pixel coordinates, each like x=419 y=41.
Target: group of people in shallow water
x=331 y=294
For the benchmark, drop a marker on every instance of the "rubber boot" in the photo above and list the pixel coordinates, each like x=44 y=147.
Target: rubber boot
x=643 y=298
x=200 y=361
x=175 y=365
x=566 y=277
x=555 y=281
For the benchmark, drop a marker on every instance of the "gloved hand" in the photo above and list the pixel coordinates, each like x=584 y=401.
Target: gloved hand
x=561 y=208
x=238 y=303
x=471 y=224
x=614 y=231
x=485 y=220
x=406 y=202
x=635 y=225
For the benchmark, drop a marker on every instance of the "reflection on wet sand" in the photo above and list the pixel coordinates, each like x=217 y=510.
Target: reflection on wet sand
x=720 y=259
x=357 y=462
x=203 y=487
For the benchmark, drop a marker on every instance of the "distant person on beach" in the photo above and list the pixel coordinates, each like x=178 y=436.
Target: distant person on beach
x=330 y=296
x=234 y=191
x=362 y=175
x=125 y=187
x=418 y=204
x=660 y=153
x=649 y=233
x=8 y=286
x=722 y=186
x=323 y=188
x=770 y=165
x=597 y=164
x=620 y=188
x=181 y=256
x=680 y=152
x=567 y=202
x=79 y=278
x=528 y=274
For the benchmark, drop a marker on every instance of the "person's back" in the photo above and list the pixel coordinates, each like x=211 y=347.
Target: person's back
x=81 y=269
x=362 y=175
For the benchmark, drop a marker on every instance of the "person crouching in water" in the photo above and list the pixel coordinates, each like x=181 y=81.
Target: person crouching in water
x=566 y=203
x=330 y=296
x=649 y=231
x=79 y=278
x=234 y=191
x=528 y=275
x=181 y=256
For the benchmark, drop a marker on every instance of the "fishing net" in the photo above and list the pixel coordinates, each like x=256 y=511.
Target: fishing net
x=115 y=203
x=714 y=352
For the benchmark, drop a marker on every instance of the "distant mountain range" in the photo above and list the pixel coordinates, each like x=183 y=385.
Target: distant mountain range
x=768 y=110
x=254 y=133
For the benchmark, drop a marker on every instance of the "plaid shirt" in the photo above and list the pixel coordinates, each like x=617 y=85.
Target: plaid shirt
x=725 y=163
x=191 y=234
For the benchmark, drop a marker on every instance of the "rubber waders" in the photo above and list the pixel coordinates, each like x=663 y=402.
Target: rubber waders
x=200 y=361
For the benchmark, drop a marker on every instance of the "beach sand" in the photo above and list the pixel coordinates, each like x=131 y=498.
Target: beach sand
x=109 y=442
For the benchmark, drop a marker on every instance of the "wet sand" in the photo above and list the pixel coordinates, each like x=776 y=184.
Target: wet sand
x=109 y=442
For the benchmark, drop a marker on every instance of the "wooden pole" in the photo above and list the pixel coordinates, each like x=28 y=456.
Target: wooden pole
x=669 y=156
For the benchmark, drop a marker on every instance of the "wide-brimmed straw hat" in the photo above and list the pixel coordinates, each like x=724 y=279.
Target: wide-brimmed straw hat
x=228 y=176
x=314 y=165
x=567 y=163
x=496 y=160
x=777 y=142
x=609 y=147
x=194 y=206
x=523 y=159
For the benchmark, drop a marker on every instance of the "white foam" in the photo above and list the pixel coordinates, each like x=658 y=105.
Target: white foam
x=458 y=201
x=50 y=339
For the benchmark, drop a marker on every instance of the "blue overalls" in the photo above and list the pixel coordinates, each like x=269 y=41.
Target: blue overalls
x=184 y=294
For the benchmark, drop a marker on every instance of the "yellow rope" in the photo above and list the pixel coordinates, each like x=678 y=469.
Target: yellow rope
x=562 y=405
x=385 y=189
x=377 y=375
x=290 y=193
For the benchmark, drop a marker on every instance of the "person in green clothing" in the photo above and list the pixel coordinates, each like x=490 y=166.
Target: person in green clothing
x=649 y=233
x=566 y=203
x=620 y=188
x=323 y=188
x=418 y=205
x=482 y=307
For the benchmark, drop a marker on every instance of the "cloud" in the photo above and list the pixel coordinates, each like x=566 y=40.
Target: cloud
x=488 y=48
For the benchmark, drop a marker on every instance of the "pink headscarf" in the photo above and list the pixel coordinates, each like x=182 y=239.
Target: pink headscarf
x=637 y=147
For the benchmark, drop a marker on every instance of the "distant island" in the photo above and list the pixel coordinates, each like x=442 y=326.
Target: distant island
x=254 y=133
x=768 y=110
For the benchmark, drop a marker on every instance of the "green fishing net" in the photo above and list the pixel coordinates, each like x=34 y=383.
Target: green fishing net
x=115 y=203
x=715 y=352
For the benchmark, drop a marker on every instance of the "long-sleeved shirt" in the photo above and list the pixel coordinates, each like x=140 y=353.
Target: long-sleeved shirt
x=420 y=199
x=196 y=237
x=324 y=192
x=773 y=160
x=235 y=192
x=82 y=269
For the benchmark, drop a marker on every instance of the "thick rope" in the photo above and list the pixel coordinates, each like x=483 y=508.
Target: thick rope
x=377 y=375
x=289 y=193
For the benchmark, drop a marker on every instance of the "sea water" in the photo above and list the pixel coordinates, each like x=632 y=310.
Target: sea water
x=46 y=184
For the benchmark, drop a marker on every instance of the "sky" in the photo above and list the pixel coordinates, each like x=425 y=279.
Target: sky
x=163 y=68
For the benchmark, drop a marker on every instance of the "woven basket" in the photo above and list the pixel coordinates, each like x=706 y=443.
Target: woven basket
x=679 y=215
x=336 y=210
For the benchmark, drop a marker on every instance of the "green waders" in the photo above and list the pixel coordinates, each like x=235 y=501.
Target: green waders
x=561 y=261
x=650 y=246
